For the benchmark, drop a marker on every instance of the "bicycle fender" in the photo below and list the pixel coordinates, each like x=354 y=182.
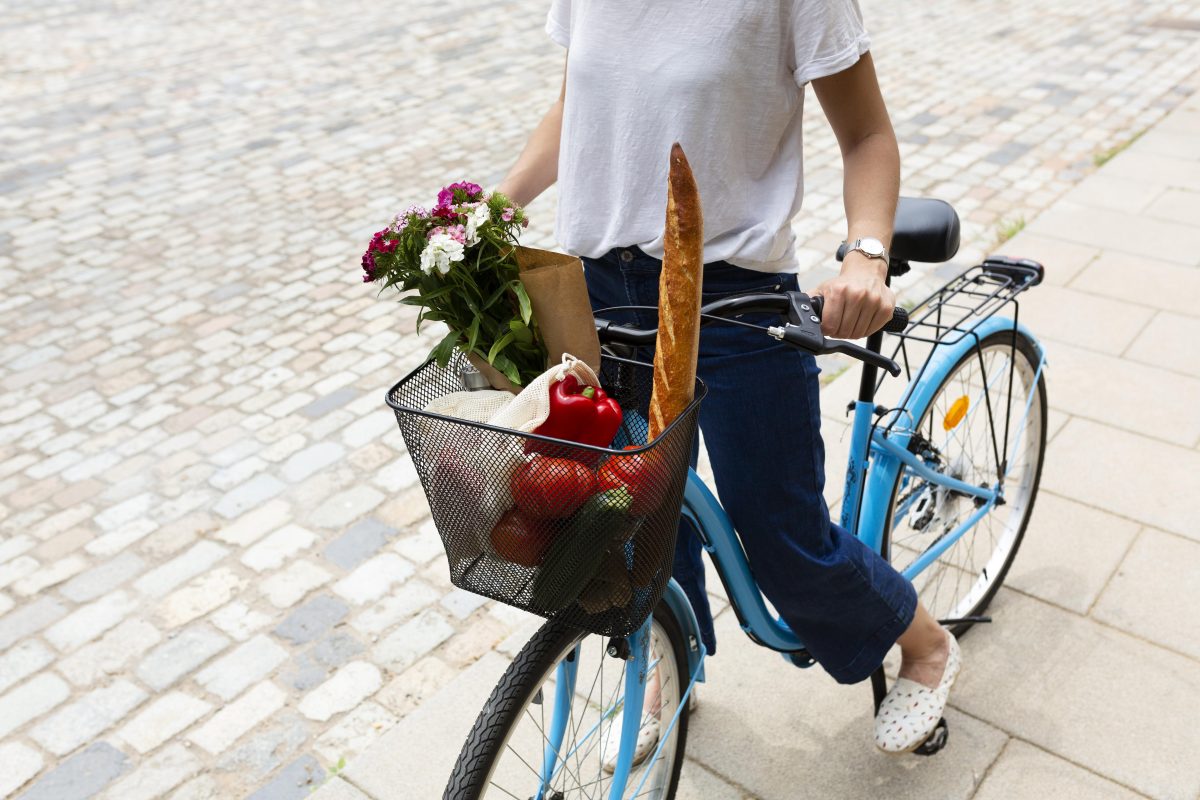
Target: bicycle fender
x=677 y=600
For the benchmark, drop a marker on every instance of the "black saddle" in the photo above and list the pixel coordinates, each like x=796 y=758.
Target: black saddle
x=926 y=230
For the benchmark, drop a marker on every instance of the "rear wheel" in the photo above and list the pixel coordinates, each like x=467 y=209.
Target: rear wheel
x=504 y=754
x=962 y=434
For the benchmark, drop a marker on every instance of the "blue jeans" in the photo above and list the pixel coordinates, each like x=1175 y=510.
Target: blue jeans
x=761 y=423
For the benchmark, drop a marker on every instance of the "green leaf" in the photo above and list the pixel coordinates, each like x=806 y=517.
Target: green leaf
x=508 y=368
x=500 y=291
x=499 y=345
x=523 y=299
x=520 y=331
x=435 y=294
x=473 y=335
x=442 y=351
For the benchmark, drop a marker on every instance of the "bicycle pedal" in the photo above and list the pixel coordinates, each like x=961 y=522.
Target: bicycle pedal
x=936 y=741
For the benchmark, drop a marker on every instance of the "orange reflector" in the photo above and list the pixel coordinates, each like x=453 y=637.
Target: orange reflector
x=956 y=413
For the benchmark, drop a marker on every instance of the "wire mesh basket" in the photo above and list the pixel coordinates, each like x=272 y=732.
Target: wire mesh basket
x=567 y=531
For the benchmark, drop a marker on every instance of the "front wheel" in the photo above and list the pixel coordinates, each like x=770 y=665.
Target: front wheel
x=520 y=730
x=993 y=388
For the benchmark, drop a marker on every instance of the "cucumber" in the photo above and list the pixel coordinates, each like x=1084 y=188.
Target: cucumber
x=577 y=552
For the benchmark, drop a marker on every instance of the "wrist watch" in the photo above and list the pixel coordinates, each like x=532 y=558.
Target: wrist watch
x=869 y=247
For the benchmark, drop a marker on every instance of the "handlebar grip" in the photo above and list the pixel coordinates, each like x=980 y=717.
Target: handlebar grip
x=898 y=323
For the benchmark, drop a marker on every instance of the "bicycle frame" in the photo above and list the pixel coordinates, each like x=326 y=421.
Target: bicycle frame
x=878 y=454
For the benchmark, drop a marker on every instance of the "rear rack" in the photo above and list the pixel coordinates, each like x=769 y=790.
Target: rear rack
x=965 y=302
x=958 y=308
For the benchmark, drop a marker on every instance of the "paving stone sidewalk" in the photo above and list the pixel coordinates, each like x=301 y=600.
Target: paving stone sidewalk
x=1087 y=685
x=217 y=574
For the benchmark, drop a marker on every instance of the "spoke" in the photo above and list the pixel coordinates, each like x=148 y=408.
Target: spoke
x=506 y=791
x=599 y=767
x=536 y=774
x=546 y=740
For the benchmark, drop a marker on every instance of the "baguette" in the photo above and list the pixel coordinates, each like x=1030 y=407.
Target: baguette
x=678 y=341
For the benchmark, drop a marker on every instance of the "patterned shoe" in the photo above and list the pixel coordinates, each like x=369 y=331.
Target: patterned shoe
x=910 y=712
x=647 y=740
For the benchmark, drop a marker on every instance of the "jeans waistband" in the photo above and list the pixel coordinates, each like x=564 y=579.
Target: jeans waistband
x=633 y=259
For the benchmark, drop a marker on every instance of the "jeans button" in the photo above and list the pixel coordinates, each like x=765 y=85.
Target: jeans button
x=627 y=256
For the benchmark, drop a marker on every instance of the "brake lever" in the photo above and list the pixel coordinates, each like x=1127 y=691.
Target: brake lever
x=804 y=330
x=862 y=354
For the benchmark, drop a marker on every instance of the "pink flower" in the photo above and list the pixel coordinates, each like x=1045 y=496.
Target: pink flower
x=368 y=265
x=381 y=245
x=456 y=232
x=447 y=195
x=445 y=212
x=507 y=216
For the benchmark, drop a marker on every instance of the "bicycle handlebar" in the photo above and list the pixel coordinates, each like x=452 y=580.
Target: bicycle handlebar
x=897 y=324
x=802 y=329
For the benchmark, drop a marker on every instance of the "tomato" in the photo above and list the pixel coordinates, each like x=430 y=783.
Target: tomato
x=552 y=488
x=643 y=474
x=521 y=539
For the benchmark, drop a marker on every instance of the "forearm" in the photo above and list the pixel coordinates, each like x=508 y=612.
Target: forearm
x=537 y=167
x=871 y=187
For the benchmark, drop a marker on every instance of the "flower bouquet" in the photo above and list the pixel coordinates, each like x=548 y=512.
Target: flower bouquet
x=461 y=264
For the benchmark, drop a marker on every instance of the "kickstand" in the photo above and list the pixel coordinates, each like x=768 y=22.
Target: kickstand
x=879 y=686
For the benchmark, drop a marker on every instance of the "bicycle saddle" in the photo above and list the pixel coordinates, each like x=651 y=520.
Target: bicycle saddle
x=925 y=230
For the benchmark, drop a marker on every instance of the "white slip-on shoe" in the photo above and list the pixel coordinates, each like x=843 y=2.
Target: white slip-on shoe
x=910 y=711
x=647 y=740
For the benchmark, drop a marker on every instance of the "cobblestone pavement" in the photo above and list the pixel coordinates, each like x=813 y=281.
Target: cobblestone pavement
x=217 y=577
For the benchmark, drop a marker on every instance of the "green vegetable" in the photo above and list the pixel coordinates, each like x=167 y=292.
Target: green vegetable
x=578 y=551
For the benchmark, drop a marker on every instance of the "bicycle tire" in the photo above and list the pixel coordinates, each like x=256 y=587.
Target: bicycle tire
x=516 y=689
x=1030 y=351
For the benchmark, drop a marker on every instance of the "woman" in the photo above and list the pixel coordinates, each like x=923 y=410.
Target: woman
x=727 y=81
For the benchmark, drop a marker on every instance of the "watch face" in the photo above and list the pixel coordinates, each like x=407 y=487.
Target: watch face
x=872 y=247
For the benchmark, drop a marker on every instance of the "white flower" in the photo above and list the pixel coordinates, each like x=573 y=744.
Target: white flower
x=477 y=216
x=438 y=254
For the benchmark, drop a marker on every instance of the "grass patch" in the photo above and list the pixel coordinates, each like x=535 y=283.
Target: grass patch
x=1008 y=228
x=831 y=371
x=1105 y=156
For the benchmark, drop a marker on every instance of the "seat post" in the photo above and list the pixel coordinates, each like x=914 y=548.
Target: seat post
x=870 y=373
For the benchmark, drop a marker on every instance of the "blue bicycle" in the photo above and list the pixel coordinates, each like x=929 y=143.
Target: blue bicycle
x=941 y=482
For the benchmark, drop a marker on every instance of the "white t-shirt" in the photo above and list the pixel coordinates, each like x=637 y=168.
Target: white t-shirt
x=724 y=78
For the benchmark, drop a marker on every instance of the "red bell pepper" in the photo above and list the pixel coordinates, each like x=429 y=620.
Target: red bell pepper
x=584 y=414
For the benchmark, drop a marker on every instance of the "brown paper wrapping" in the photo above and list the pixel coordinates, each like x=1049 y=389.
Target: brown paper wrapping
x=558 y=293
